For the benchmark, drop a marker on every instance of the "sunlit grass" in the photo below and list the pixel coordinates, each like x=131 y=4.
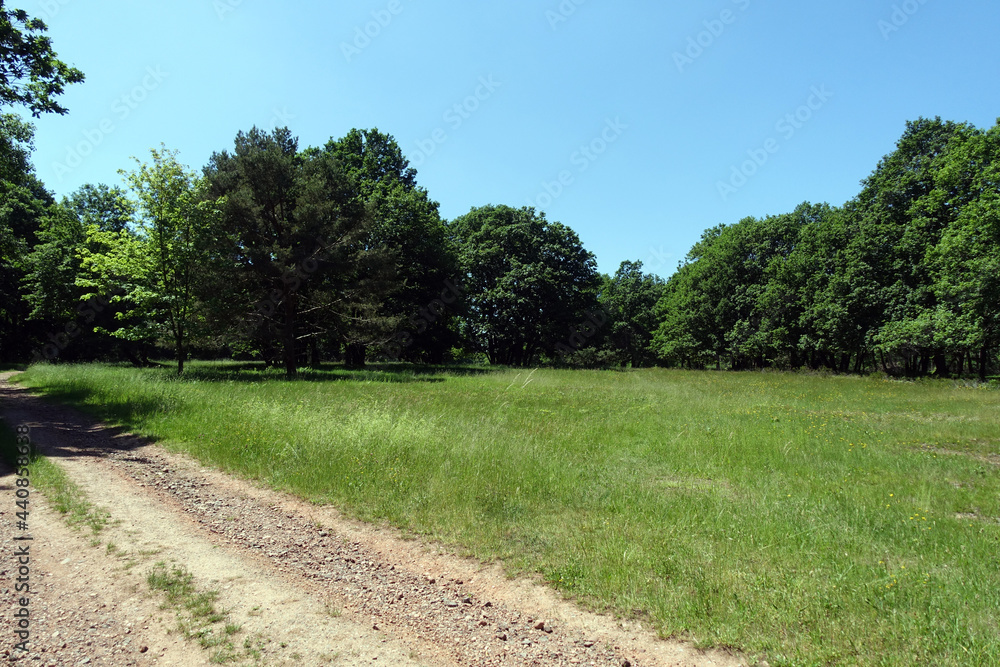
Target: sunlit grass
x=65 y=496
x=811 y=520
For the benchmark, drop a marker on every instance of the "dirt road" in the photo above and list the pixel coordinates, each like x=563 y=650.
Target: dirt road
x=305 y=585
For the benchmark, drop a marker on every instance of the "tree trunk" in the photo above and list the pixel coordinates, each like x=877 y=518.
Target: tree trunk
x=983 y=359
x=940 y=365
x=291 y=367
x=314 y=361
x=354 y=355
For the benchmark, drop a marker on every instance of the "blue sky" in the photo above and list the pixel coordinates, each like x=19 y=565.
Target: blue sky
x=638 y=124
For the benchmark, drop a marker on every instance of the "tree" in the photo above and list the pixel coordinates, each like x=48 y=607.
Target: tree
x=905 y=272
x=161 y=264
x=529 y=282
x=629 y=298
x=966 y=261
x=689 y=332
x=405 y=223
x=898 y=218
x=54 y=264
x=802 y=305
x=295 y=228
x=728 y=300
x=108 y=207
x=24 y=204
x=30 y=73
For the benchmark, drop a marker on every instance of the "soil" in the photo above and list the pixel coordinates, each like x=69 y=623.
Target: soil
x=305 y=585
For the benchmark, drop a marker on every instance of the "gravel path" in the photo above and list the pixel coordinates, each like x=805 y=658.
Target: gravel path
x=306 y=585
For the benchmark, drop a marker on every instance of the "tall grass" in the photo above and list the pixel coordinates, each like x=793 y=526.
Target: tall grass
x=811 y=520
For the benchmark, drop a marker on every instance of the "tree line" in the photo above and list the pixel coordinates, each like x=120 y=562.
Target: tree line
x=299 y=255
x=904 y=278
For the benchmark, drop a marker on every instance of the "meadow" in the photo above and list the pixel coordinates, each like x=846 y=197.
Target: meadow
x=805 y=519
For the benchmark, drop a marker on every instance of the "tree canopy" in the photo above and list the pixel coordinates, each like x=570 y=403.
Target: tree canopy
x=298 y=255
x=30 y=73
x=529 y=282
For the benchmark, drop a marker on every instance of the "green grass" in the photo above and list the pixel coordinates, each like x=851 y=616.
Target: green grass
x=809 y=520
x=197 y=616
x=62 y=493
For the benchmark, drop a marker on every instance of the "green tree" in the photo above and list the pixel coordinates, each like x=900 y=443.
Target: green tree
x=296 y=230
x=24 y=205
x=688 y=333
x=629 y=299
x=802 y=306
x=529 y=282
x=108 y=207
x=897 y=219
x=54 y=264
x=407 y=225
x=966 y=260
x=30 y=73
x=723 y=305
x=162 y=264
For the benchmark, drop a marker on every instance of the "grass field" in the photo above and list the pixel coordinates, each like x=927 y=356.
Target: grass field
x=809 y=520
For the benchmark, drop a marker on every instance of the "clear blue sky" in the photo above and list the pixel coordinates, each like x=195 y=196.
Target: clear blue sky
x=552 y=78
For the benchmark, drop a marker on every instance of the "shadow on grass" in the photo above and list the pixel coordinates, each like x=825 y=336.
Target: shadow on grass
x=258 y=372
x=13 y=367
x=79 y=429
x=75 y=427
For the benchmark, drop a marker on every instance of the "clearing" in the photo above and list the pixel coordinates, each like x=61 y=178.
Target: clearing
x=302 y=585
